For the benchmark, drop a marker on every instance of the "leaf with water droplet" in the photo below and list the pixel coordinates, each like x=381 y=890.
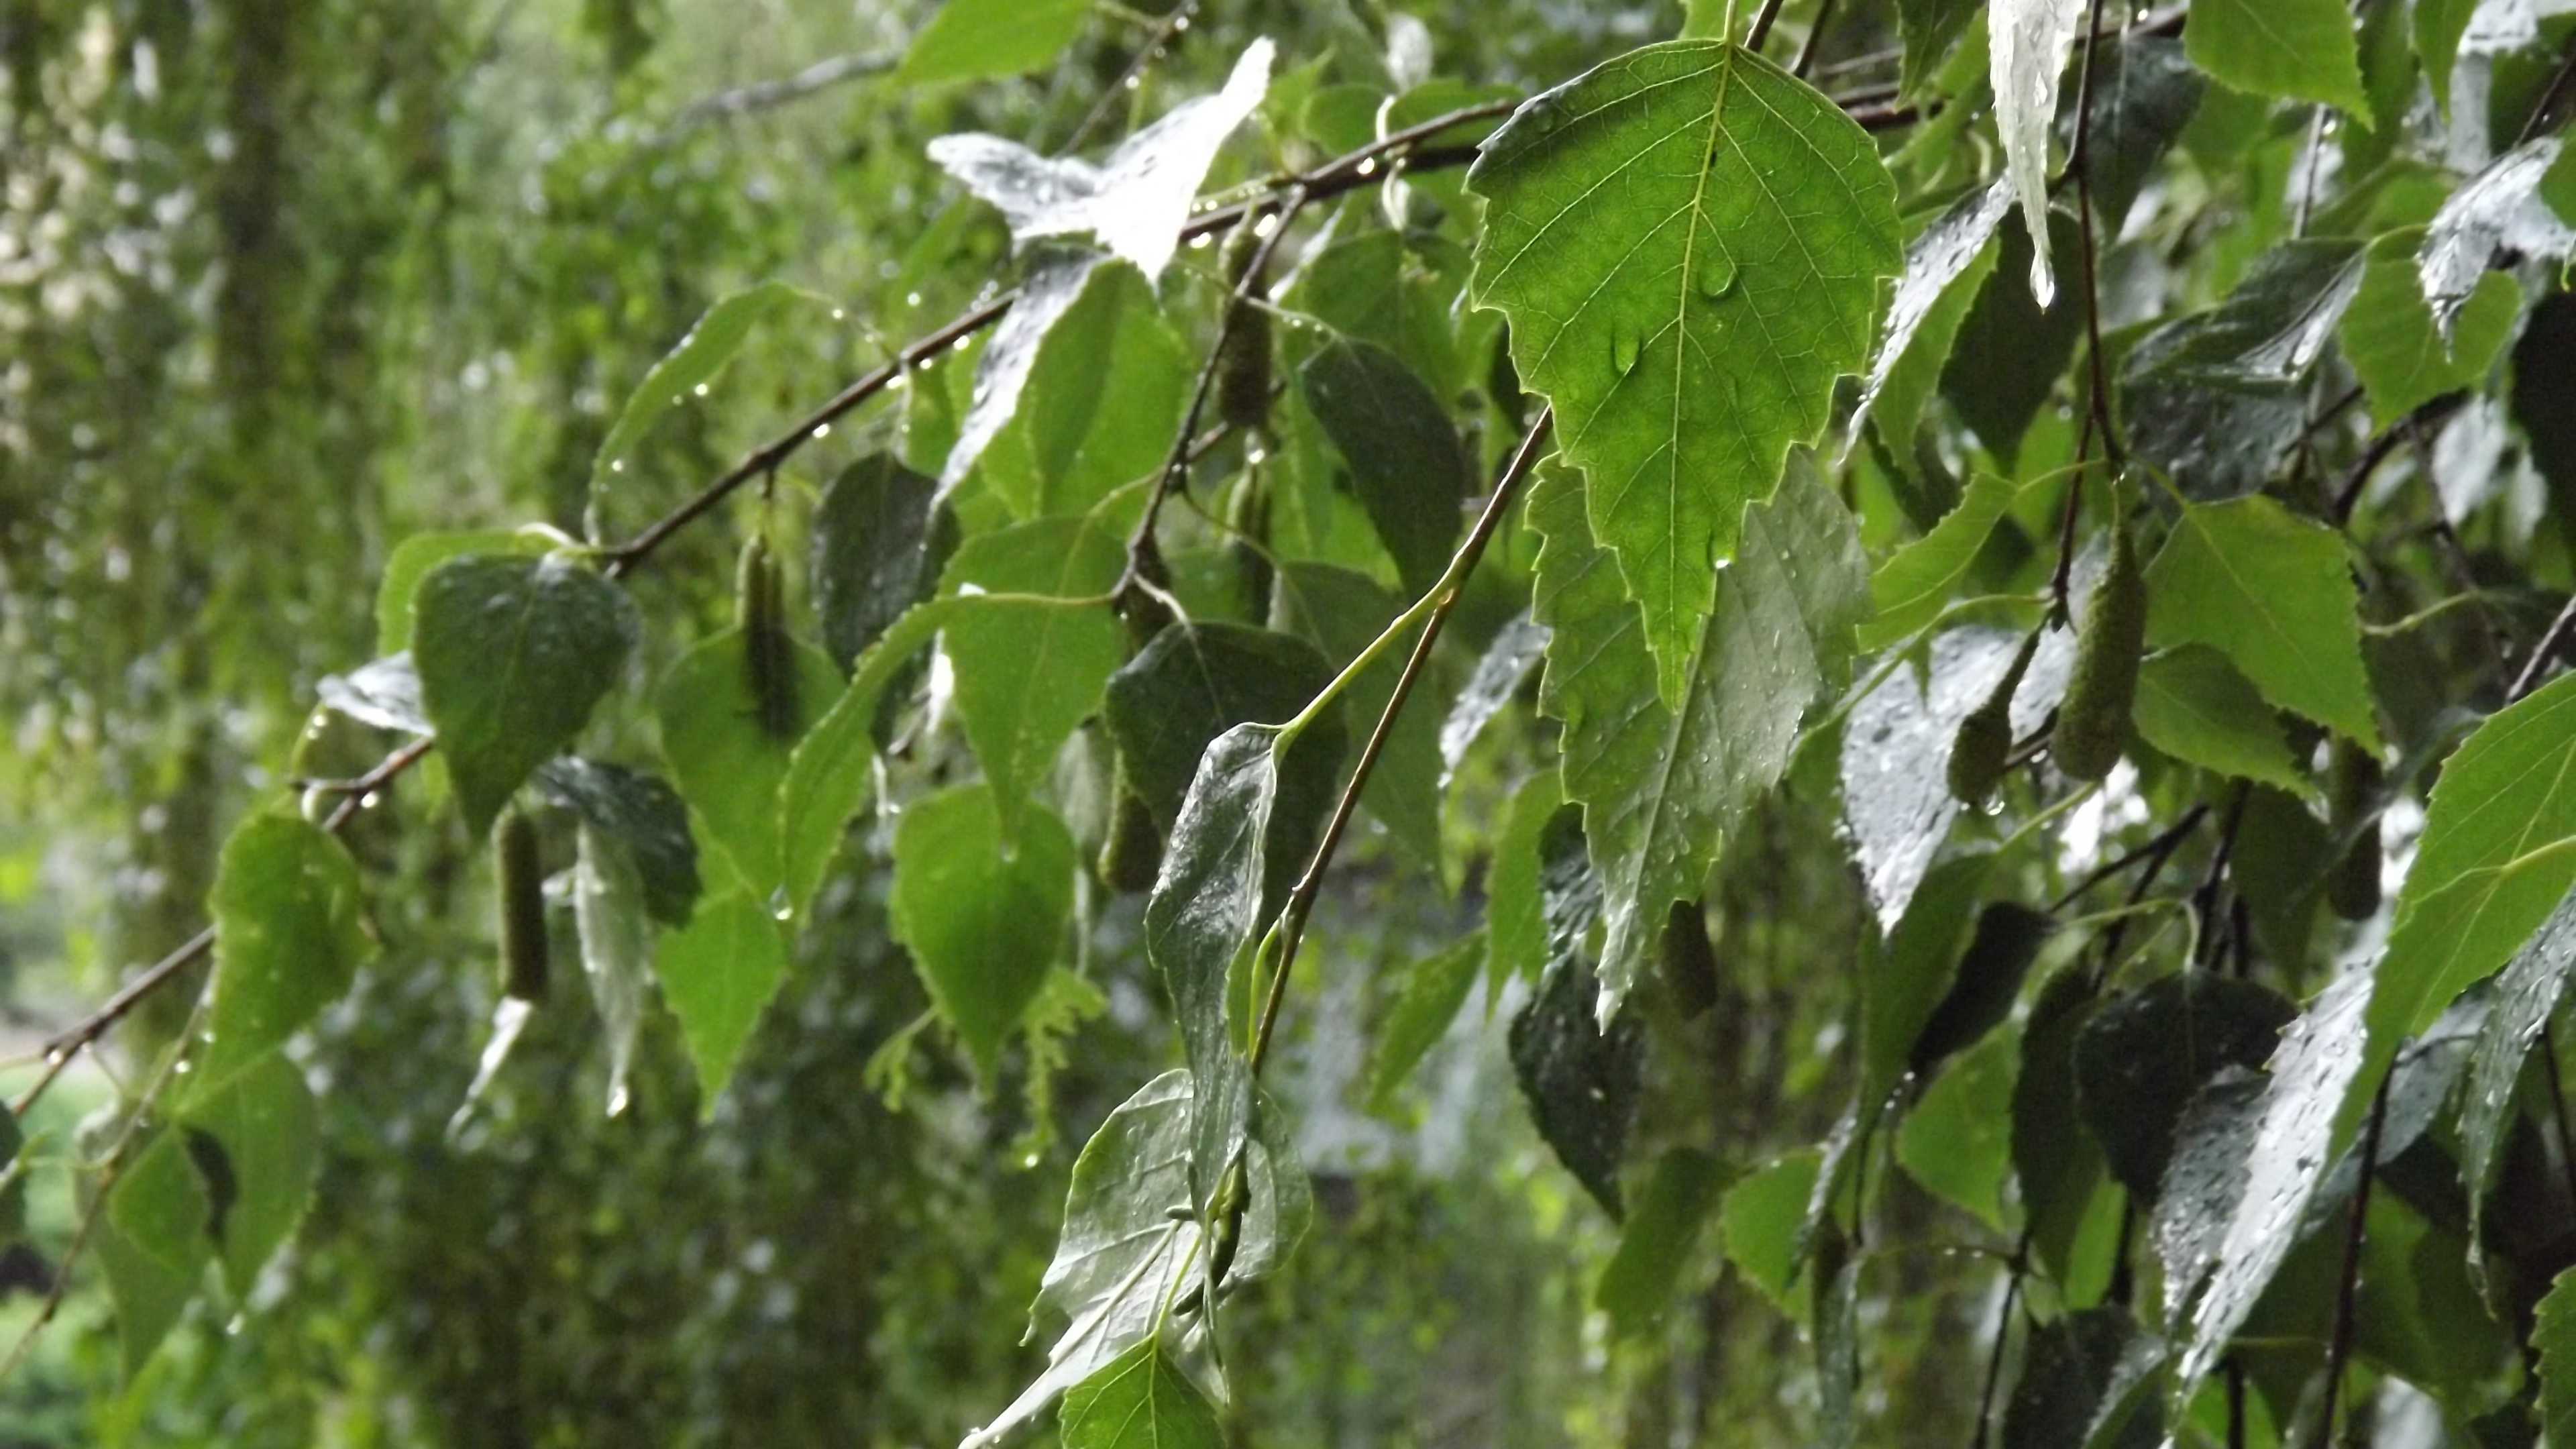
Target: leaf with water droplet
x=2526 y=996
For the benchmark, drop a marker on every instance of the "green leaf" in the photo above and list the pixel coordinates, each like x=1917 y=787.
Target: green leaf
x=2144 y=93
x=2439 y=24
x=1764 y=1214
x=2500 y=208
x=1910 y=973
x=2526 y=997
x=691 y=364
x=1945 y=267
x=616 y=947
x=1582 y=1081
x=267 y=1133
x=1403 y=454
x=1515 y=925
x=2055 y=1159
x=1655 y=1247
x=717 y=977
x=2390 y=340
x=1433 y=990
x=1998 y=958
x=1370 y=288
x=415 y=556
x=1660 y=788
x=971 y=39
x=1343 y=612
x=2294 y=49
x=1028 y=670
x=876 y=551
x=728 y=763
x=2194 y=706
x=1139 y=1401
x=2068 y=1374
x=1688 y=244
x=2553 y=1337
x=1505 y=666
x=513 y=654
x=2204 y=1182
x=2010 y=352
x=160 y=1207
x=1930 y=28
x=1103 y=393
x=984 y=917
x=2274 y=593
x=640 y=813
x=2144 y=1054
x=2497 y=854
x=831 y=771
x=288 y=940
x=2028 y=42
x=1957 y=1140
x=149 y=1295
x=1913 y=585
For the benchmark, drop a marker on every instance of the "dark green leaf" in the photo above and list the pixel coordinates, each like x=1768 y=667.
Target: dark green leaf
x=1989 y=978
x=1656 y=1245
x=1139 y=1401
x=875 y=551
x=1837 y=1319
x=1930 y=28
x=1764 y=1214
x=1029 y=669
x=728 y=762
x=1515 y=923
x=1911 y=971
x=266 y=1132
x=2204 y=1182
x=149 y=1294
x=2144 y=93
x=642 y=814
x=288 y=940
x=2526 y=997
x=1688 y=322
x=2010 y=351
x=2055 y=1159
x=983 y=916
x=513 y=653
x=1368 y=287
x=689 y=366
x=2274 y=593
x=971 y=39
x=1402 y=452
x=1944 y=268
x=2544 y=401
x=2146 y=1053
x=831 y=771
x=2554 y=1339
x=1957 y=1140
x=415 y=556
x=1342 y=613
x=717 y=977
x=2295 y=49
x=160 y=1207
x=1582 y=1082
x=2194 y=706
x=2067 y=1373
x=1433 y=990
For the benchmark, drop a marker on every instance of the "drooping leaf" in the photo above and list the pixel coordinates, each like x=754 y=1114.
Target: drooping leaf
x=616 y=947
x=1342 y=612
x=2204 y=1182
x=2294 y=49
x=1055 y=278
x=2011 y=351
x=1957 y=1140
x=1944 y=266
x=1091 y=407
x=1656 y=1245
x=689 y=366
x=2144 y=93
x=2402 y=358
x=513 y=653
x=2526 y=997
x=832 y=769
x=1764 y=1214
x=2029 y=41
x=415 y=556
x=1433 y=990
x=1135 y=202
x=160 y=1206
x=1912 y=968
x=1687 y=323
x=640 y=813
x=1515 y=920
x=1403 y=454
x=1139 y=1401
x=1030 y=669
x=1913 y=585
x=2194 y=706
x=727 y=761
x=717 y=977
x=149 y=1294
x=2067 y=1372
x=1661 y=787
x=288 y=939
x=876 y=549
x=982 y=915
x=1370 y=287
x=2007 y=939
x=383 y=692
x=1516 y=649
x=265 y=1128
x=2146 y=1053
x=2055 y=1159
x=2499 y=208
x=2438 y=27
x=972 y=39
x=2274 y=593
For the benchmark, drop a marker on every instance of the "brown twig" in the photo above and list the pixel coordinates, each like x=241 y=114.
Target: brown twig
x=2551 y=641
x=2080 y=161
x=1155 y=44
x=2157 y=849
x=2384 y=443
x=2348 y=1293
x=1815 y=37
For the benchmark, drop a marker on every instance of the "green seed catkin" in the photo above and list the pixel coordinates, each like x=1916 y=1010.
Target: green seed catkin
x=1689 y=959
x=2093 y=719
x=1243 y=362
x=1247 y=518
x=2353 y=776
x=1133 y=854
x=522 y=907
x=1983 y=745
x=768 y=651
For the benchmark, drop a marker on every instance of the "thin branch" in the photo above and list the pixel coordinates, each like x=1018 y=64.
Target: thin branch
x=2204 y=901
x=1815 y=39
x=2003 y=1336
x=2551 y=641
x=1453 y=583
x=2533 y=124
x=766 y=95
x=1761 y=30
x=2347 y=1296
x=72 y=1040
x=2157 y=849
x=1155 y=44
x=2080 y=161
x=2384 y=443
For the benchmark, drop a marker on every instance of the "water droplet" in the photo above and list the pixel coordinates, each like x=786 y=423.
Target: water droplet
x=1716 y=274
x=1368 y=167
x=1624 y=344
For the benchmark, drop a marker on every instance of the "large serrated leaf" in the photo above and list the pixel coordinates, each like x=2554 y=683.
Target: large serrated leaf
x=2296 y=49
x=2194 y=706
x=1139 y=1400
x=2274 y=593
x=1689 y=246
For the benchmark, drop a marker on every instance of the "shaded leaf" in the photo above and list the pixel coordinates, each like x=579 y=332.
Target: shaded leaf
x=1135 y=202
x=2194 y=706
x=2054 y=1158
x=2274 y=593
x=2438 y=27
x=2011 y=350
x=1368 y=287
x=1515 y=921
x=983 y=916
x=1343 y=613
x=1957 y=1140
x=513 y=653
x=717 y=977
x=1930 y=28
x=831 y=771
x=640 y=813
x=971 y=39
x=1931 y=301
x=1913 y=585
x=2553 y=1337
x=288 y=940
x=728 y=763
x=875 y=553
x=2146 y=1053
x=149 y=1295
x=690 y=364
x=1030 y=669
x=2204 y=1182
x=1433 y=990
x=1656 y=1245
x=266 y=1131
x=1139 y=1401
x=2526 y=997
x=1404 y=457
x=2067 y=1373
x=2144 y=93
x=1688 y=323
x=1582 y=1080
x=1053 y=281
x=1765 y=1214
x=2296 y=49
x=1912 y=969
x=1999 y=954
x=1505 y=666
x=414 y=557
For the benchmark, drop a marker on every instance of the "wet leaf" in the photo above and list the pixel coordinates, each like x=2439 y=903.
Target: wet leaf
x=2010 y=351
x=717 y=977
x=2499 y=208
x=640 y=813
x=832 y=769
x=1516 y=649
x=2194 y=706
x=616 y=948
x=2390 y=340
x=2274 y=593
x=2204 y=1182
x=2554 y=1337
x=1342 y=613
x=875 y=553
x=2294 y=49
x=1428 y=1000
x=2000 y=951
x=688 y=367
x=513 y=653
x=982 y=915
x=1404 y=458
x=1656 y=1245
x=2144 y=93
x=1912 y=969
x=265 y=1130
x=415 y=556
x=1687 y=324
x=1029 y=670
x=149 y=1294
x=1054 y=279
x=1913 y=585
x=288 y=940
x=2054 y=1158
x=2029 y=41
x=1944 y=266
x=1135 y=202
x=1515 y=923
x=1930 y=28
x=1582 y=1081
x=2526 y=997
x=1957 y=1139
x=2146 y=1053
x=1139 y=1401
x=972 y=39
x=2067 y=1372
x=728 y=763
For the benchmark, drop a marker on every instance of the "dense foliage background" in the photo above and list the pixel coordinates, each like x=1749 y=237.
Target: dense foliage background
x=1936 y=880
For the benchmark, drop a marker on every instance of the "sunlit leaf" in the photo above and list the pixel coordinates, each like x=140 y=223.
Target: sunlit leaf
x=689 y=366
x=616 y=948
x=288 y=939
x=1139 y=1401
x=717 y=977
x=983 y=916
x=971 y=39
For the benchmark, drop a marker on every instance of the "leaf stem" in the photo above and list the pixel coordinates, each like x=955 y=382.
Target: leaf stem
x=1762 y=20
x=2348 y=1291
x=2080 y=161
x=2551 y=641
